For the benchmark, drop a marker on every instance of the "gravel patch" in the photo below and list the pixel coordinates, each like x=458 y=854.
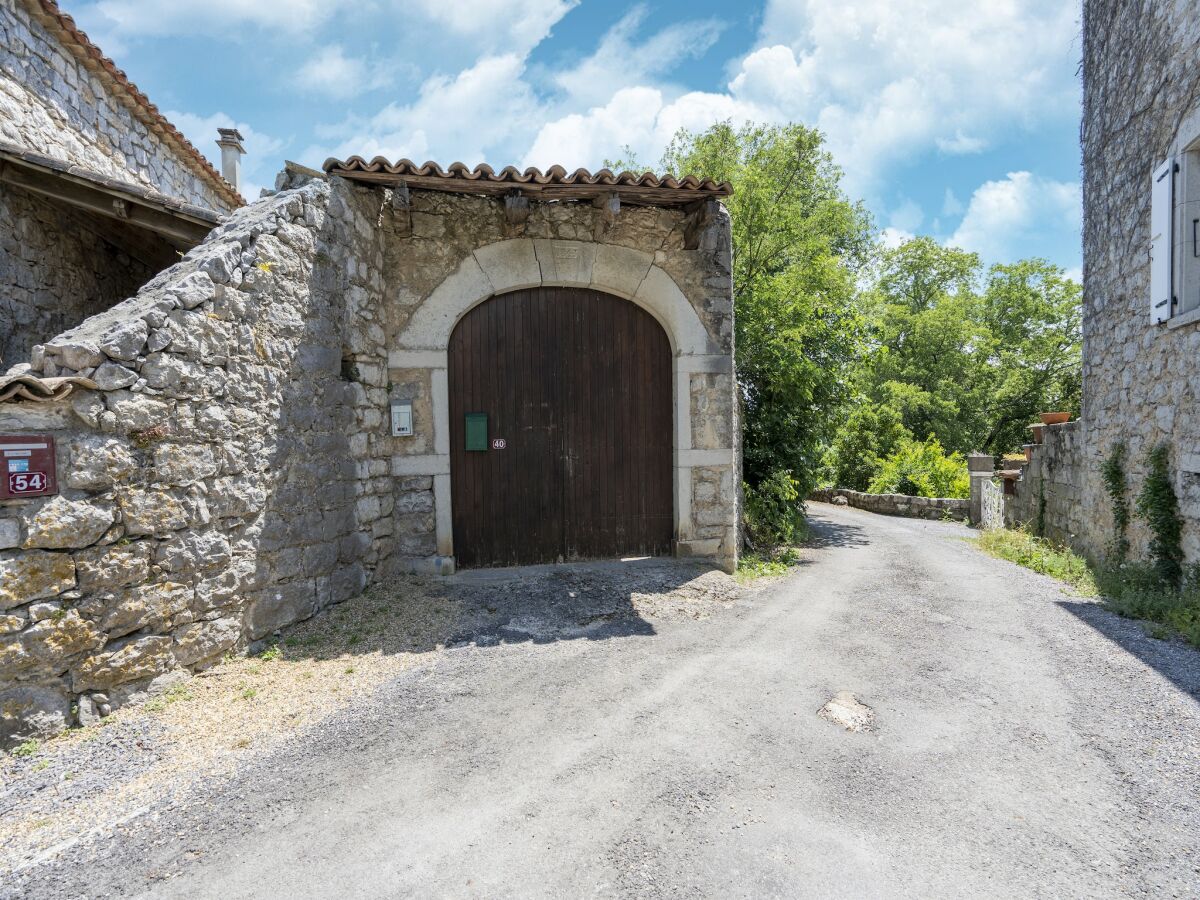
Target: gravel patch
x=198 y=732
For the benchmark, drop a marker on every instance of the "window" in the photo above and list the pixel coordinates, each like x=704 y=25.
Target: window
x=1175 y=236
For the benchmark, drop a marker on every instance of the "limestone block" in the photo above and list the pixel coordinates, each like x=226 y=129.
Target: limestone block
x=32 y=711
x=10 y=533
x=181 y=378
x=122 y=661
x=62 y=524
x=52 y=641
x=183 y=463
x=192 y=290
x=125 y=341
x=98 y=462
x=193 y=552
x=138 y=607
x=281 y=605
x=111 y=376
x=136 y=412
x=107 y=568
x=203 y=641
x=235 y=496
x=152 y=512
x=619 y=270
x=510 y=265
x=32 y=575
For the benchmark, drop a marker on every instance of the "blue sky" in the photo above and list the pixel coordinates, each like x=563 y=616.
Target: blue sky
x=953 y=118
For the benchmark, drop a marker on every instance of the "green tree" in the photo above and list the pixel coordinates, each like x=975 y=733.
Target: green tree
x=798 y=248
x=922 y=469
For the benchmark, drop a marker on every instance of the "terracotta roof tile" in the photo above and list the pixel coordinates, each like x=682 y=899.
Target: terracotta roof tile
x=107 y=70
x=40 y=390
x=556 y=176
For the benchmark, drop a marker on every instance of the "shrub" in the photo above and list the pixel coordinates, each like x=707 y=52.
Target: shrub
x=922 y=469
x=1040 y=555
x=774 y=511
x=1139 y=591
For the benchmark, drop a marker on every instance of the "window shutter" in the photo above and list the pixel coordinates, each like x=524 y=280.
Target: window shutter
x=1162 y=218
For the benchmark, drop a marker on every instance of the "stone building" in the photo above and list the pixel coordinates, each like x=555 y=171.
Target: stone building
x=98 y=192
x=377 y=369
x=1141 y=278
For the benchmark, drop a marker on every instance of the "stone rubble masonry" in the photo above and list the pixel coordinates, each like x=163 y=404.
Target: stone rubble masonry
x=1052 y=475
x=209 y=495
x=235 y=472
x=51 y=103
x=938 y=508
x=1141 y=382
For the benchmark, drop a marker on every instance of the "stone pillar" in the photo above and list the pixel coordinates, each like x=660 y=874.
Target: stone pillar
x=980 y=467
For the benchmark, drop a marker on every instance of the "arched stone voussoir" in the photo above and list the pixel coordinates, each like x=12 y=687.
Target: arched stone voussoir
x=524 y=263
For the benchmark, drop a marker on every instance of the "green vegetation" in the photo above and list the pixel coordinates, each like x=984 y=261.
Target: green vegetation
x=774 y=511
x=29 y=748
x=922 y=469
x=1113 y=472
x=1133 y=590
x=752 y=566
x=1158 y=506
x=1040 y=555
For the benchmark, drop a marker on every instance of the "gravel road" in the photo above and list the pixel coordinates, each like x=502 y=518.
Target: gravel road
x=1023 y=743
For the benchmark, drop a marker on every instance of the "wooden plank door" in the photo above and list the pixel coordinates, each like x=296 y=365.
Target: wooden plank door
x=577 y=384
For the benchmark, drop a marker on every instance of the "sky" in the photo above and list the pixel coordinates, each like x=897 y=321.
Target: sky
x=952 y=118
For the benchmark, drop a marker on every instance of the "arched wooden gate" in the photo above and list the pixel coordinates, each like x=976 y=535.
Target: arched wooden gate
x=560 y=429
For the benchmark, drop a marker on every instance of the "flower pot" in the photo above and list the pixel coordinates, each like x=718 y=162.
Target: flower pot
x=1029 y=452
x=1038 y=431
x=1054 y=418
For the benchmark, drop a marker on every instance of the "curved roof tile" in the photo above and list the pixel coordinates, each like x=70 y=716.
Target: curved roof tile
x=555 y=175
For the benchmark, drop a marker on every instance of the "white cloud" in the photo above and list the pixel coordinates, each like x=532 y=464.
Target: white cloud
x=1018 y=216
x=214 y=17
x=951 y=205
x=893 y=237
x=908 y=216
x=961 y=144
x=452 y=119
x=513 y=26
x=332 y=73
x=619 y=61
x=885 y=80
x=263 y=158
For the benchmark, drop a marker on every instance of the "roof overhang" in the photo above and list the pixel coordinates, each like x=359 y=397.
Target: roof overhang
x=180 y=223
x=554 y=184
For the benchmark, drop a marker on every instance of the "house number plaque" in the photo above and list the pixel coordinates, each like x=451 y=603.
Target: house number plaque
x=27 y=466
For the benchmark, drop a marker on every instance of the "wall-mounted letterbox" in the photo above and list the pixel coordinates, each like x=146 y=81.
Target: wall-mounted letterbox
x=477 y=431
x=27 y=466
x=402 y=418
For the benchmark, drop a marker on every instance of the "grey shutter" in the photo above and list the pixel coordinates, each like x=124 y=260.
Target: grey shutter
x=1162 y=219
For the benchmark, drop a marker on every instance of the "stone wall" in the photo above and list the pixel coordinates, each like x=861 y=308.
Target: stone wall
x=446 y=252
x=1051 y=482
x=235 y=471
x=55 y=104
x=938 y=508
x=1141 y=382
x=56 y=270
x=219 y=484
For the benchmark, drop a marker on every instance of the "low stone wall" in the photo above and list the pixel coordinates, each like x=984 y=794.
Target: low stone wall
x=899 y=504
x=1050 y=491
x=220 y=483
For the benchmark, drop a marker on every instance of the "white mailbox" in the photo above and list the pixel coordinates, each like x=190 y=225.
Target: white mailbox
x=402 y=419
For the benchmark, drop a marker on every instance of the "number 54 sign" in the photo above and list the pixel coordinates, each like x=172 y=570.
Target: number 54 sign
x=27 y=466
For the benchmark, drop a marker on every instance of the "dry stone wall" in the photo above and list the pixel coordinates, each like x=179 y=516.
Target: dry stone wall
x=219 y=484
x=1049 y=490
x=51 y=103
x=938 y=508
x=1141 y=382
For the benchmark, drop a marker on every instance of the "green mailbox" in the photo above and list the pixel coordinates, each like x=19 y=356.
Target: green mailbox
x=477 y=434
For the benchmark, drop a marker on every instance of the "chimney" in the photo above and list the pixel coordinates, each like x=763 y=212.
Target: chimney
x=232 y=152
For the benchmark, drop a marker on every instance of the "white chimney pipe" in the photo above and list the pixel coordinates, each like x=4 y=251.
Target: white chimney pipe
x=232 y=152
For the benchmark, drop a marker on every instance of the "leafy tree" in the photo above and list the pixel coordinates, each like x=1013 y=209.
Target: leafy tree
x=798 y=248
x=870 y=435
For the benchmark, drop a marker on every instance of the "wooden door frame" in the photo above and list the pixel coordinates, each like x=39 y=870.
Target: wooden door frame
x=620 y=271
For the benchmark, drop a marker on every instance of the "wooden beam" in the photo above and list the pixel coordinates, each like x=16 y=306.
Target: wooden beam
x=107 y=202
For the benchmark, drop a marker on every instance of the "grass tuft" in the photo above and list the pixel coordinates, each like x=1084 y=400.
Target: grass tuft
x=1040 y=555
x=752 y=566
